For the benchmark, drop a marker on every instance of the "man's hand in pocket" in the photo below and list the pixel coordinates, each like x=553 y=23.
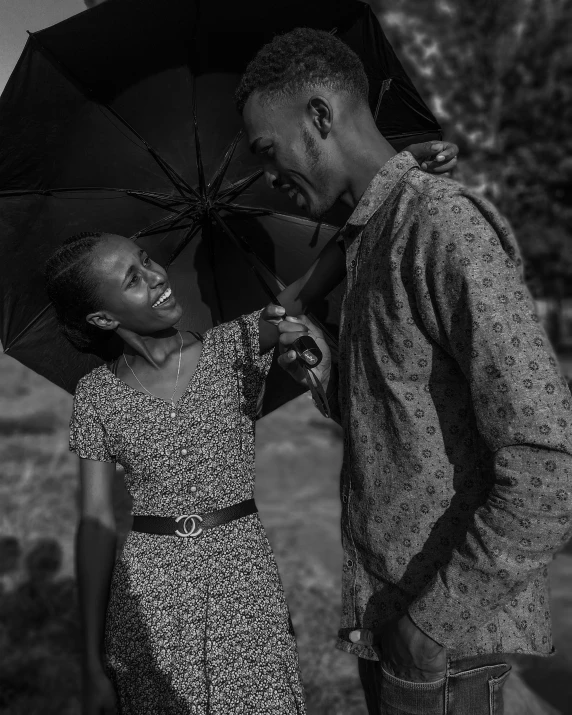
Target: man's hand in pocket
x=405 y=651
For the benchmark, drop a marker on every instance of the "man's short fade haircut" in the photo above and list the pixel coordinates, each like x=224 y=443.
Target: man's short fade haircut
x=303 y=59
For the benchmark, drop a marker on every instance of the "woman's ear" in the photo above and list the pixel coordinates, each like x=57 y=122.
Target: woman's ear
x=102 y=320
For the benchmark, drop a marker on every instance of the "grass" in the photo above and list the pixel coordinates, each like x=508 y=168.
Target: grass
x=298 y=461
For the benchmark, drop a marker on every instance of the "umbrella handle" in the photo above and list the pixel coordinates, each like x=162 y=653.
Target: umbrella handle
x=308 y=352
x=309 y=356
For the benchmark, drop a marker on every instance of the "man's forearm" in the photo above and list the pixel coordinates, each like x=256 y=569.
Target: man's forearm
x=474 y=303
x=327 y=271
x=512 y=537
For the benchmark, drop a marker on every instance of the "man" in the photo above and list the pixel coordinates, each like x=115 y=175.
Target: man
x=457 y=451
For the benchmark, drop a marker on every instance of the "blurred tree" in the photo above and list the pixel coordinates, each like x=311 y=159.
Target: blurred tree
x=498 y=75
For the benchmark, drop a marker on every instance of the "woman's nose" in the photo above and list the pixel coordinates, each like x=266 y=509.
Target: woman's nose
x=156 y=278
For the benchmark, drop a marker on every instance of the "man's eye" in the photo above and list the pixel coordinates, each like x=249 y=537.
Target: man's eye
x=146 y=261
x=133 y=281
x=265 y=149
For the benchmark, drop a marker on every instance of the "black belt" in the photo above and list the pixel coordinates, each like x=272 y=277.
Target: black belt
x=192 y=524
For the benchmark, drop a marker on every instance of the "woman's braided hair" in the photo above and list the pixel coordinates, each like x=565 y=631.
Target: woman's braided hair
x=72 y=288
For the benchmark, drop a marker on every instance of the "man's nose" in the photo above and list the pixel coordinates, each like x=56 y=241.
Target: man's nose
x=270 y=178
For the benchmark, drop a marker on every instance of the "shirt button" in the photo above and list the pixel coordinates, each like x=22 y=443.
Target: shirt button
x=184 y=452
x=353 y=264
x=193 y=489
x=173 y=415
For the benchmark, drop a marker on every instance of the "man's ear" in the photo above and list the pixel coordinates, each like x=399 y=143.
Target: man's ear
x=102 y=320
x=322 y=114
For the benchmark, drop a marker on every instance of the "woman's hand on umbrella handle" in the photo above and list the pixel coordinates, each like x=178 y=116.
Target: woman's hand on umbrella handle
x=435 y=157
x=273 y=314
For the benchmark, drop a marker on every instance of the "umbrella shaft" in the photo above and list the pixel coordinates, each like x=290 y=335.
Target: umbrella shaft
x=246 y=257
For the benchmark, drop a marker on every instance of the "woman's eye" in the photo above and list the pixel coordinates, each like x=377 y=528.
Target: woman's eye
x=266 y=149
x=146 y=261
x=134 y=280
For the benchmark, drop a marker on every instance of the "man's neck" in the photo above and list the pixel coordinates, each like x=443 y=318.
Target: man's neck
x=364 y=160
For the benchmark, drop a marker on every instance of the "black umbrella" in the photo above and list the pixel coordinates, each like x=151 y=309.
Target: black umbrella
x=122 y=119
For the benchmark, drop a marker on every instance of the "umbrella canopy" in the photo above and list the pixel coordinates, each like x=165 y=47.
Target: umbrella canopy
x=122 y=119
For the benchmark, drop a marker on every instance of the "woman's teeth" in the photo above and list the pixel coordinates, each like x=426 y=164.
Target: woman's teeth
x=166 y=295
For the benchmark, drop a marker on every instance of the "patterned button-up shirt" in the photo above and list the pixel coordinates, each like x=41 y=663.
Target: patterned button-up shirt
x=457 y=465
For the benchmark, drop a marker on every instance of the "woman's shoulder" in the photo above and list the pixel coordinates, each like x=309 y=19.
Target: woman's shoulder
x=234 y=331
x=91 y=384
x=245 y=322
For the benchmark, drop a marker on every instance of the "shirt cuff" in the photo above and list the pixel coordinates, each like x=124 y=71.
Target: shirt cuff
x=440 y=616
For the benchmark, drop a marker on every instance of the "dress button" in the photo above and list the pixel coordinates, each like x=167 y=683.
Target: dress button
x=173 y=415
x=193 y=489
x=184 y=452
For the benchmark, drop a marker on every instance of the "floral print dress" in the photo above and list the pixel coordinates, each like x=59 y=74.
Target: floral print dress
x=195 y=626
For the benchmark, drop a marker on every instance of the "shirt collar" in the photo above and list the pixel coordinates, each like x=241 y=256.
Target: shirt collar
x=381 y=186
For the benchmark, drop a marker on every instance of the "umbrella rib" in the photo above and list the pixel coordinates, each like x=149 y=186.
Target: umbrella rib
x=176 y=179
x=29 y=325
x=164 y=205
x=219 y=176
x=172 y=175
x=185 y=242
x=245 y=251
x=178 y=182
x=382 y=91
x=167 y=221
x=236 y=189
x=158 y=231
x=69 y=189
x=198 y=153
x=248 y=210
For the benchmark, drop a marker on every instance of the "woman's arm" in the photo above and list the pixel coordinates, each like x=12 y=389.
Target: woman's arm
x=327 y=271
x=96 y=541
x=435 y=157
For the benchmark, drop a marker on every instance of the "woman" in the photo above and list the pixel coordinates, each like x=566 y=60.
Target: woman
x=191 y=617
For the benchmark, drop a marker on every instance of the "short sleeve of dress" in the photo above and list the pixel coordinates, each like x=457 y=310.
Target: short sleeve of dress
x=87 y=433
x=246 y=335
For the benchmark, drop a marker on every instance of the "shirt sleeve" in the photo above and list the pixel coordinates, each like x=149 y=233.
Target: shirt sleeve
x=475 y=305
x=87 y=434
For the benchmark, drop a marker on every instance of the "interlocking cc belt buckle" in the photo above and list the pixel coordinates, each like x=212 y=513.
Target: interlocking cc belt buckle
x=192 y=521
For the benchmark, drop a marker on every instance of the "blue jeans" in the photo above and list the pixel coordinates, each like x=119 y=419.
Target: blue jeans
x=471 y=686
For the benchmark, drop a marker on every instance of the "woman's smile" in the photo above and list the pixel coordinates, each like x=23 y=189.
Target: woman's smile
x=166 y=298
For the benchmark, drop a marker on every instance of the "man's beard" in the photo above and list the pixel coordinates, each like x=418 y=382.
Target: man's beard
x=319 y=174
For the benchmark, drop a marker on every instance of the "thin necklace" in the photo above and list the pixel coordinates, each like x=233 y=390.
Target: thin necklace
x=178 y=372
